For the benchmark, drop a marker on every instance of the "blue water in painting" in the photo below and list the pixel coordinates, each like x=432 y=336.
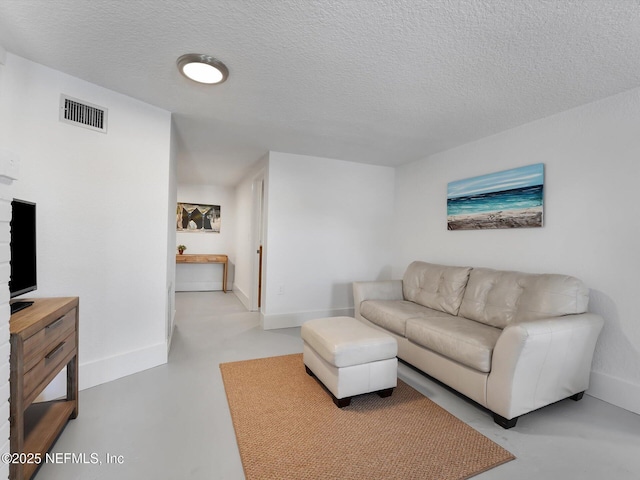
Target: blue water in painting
x=515 y=199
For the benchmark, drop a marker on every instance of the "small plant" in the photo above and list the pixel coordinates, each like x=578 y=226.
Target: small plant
x=181 y=249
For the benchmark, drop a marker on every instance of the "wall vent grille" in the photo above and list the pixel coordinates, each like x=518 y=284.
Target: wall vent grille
x=83 y=114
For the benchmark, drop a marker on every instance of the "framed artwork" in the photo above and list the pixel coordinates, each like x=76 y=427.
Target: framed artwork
x=508 y=199
x=198 y=217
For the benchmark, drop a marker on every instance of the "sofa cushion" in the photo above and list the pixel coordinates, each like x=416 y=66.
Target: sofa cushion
x=499 y=298
x=393 y=314
x=435 y=286
x=465 y=341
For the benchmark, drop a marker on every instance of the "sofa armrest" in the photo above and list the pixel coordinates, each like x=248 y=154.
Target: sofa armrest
x=385 y=290
x=539 y=362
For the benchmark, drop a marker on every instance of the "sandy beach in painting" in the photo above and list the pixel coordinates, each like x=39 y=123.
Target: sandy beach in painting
x=526 y=217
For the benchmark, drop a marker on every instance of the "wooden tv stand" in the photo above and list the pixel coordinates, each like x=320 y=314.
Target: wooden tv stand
x=44 y=340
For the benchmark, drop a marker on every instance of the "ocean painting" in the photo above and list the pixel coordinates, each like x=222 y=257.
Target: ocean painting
x=508 y=199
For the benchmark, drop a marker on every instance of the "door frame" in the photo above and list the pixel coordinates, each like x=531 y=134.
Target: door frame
x=258 y=243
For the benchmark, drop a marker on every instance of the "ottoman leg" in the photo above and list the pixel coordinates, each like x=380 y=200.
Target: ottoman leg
x=385 y=393
x=340 y=402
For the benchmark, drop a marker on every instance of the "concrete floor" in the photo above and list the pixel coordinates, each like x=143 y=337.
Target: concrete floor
x=172 y=422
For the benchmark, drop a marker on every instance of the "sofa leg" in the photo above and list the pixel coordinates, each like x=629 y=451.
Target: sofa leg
x=309 y=372
x=341 y=402
x=503 y=422
x=577 y=396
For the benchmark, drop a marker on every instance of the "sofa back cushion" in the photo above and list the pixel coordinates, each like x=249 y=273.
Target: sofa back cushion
x=498 y=298
x=435 y=286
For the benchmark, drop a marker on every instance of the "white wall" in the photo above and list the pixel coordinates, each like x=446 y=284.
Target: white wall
x=102 y=213
x=7 y=160
x=5 y=268
x=207 y=277
x=328 y=225
x=591 y=225
x=9 y=167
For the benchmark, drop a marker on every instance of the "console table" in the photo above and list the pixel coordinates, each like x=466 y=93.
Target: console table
x=207 y=258
x=44 y=340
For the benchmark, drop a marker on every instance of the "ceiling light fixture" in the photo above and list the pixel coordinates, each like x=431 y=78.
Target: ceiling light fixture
x=202 y=68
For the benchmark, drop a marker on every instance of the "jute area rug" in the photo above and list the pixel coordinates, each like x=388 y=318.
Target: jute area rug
x=287 y=427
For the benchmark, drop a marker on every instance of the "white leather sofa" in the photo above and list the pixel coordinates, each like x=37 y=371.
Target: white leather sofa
x=512 y=342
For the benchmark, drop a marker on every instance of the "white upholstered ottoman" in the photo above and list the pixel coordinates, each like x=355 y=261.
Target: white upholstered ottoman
x=349 y=357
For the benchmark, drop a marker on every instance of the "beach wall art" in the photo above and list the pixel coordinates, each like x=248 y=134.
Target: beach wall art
x=508 y=199
x=198 y=217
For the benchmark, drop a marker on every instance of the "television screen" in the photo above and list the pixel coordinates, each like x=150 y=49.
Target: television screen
x=23 y=248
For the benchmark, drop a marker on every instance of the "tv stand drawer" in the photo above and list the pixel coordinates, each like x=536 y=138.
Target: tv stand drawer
x=41 y=342
x=49 y=365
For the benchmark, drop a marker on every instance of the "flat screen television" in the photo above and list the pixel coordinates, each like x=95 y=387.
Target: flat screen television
x=23 y=251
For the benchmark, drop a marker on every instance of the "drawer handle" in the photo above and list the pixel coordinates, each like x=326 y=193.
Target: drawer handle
x=53 y=325
x=54 y=352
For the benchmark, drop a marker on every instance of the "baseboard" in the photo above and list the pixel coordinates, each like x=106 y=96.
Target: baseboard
x=244 y=299
x=108 y=369
x=616 y=391
x=198 y=286
x=296 y=319
x=173 y=329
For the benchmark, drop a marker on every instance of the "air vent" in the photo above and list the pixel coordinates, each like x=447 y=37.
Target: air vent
x=83 y=114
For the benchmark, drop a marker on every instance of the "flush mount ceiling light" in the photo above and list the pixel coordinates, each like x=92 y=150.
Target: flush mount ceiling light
x=202 y=68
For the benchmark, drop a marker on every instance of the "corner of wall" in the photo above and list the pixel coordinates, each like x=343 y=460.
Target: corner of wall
x=615 y=391
x=242 y=296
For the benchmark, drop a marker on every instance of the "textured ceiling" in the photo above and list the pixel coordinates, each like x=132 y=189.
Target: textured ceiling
x=381 y=82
